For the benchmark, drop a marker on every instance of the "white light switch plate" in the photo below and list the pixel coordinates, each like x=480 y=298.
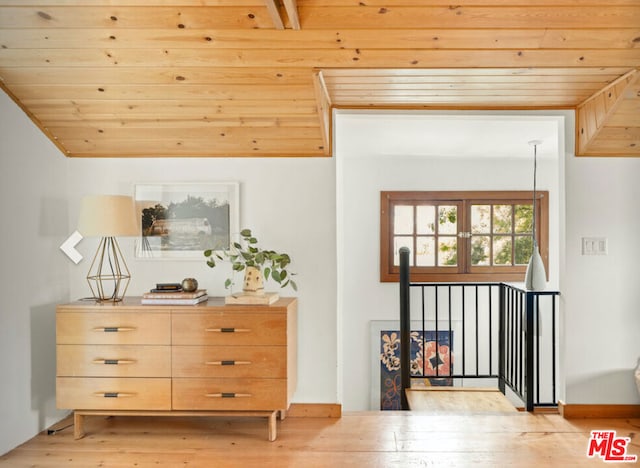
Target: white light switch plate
x=594 y=246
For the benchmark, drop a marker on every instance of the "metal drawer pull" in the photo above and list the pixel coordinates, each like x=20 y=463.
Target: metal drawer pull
x=228 y=330
x=228 y=395
x=228 y=363
x=114 y=394
x=114 y=361
x=113 y=329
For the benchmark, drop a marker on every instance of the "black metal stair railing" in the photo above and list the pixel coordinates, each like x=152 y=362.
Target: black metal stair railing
x=405 y=327
x=529 y=343
x=493 y=331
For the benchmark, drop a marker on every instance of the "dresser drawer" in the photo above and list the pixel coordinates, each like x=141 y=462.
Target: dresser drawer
x=105 y=393
x=229 y=361
x=229 y=329
x=229 y=394
x=113 y=328
x=113 y=361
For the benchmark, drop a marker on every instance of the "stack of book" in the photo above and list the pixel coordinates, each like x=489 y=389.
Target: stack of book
x=172 y=294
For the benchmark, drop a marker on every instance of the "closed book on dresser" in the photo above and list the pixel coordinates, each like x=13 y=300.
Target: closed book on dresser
x=207 y=359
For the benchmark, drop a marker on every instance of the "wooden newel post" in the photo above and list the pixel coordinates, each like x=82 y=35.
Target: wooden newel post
x=405 y=328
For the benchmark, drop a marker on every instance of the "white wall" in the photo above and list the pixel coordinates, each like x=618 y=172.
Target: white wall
x=590 y=197
x=289 y=203
x=290 y=206
x=363 y=298
x=601 y=294
x=34 y=276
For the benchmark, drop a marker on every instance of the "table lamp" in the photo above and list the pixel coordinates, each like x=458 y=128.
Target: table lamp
x=108 y=216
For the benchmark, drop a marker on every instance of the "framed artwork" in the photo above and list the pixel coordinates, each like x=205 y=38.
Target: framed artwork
x=424 y=355
x=181 y=220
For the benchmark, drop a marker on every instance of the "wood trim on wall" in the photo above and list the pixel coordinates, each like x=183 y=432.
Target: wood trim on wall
x=594 y=113
x=324 y=106
x=583 y=411
x=315 y=410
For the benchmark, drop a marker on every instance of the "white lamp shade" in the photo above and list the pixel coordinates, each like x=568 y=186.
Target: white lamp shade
x=107 y=216
x=535 y=278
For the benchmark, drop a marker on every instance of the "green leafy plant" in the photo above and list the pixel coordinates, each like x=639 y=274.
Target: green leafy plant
x=246 y=253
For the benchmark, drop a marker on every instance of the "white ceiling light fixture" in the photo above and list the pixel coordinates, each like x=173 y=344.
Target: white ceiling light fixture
x=535 y=278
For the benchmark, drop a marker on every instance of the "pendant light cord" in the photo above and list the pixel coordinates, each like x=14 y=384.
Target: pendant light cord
x=533 y=205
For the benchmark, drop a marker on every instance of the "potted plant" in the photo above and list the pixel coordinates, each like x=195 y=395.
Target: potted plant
x=258 y=264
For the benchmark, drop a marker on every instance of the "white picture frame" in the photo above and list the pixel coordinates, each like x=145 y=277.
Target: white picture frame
x=181 y=220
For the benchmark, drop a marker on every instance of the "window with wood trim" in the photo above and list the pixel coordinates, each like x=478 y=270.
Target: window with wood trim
x=462 y=236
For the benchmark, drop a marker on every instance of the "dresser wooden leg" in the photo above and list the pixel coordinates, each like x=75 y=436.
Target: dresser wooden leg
x=78 y=426
x=282 y=414
x=273 y=426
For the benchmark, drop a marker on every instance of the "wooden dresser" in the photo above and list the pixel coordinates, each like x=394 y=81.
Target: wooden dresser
x=210 y=359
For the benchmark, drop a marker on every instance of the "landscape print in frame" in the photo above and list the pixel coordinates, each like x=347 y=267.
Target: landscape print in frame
x=181 y=220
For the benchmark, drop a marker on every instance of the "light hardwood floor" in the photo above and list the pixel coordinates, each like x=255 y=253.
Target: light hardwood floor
x=358 y=439
x=448 y=400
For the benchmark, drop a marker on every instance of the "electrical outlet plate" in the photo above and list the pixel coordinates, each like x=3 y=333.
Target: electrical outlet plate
x=594 y=246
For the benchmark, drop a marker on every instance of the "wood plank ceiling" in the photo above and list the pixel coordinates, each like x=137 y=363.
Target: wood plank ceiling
x=259 y=77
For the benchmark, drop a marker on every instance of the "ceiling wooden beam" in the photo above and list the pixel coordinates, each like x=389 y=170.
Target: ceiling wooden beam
x=277 y=16
x=274 y=13
x=292 y=11
x=593 y=114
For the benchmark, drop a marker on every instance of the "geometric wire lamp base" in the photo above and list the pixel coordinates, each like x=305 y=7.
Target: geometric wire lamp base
x=108 y=275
